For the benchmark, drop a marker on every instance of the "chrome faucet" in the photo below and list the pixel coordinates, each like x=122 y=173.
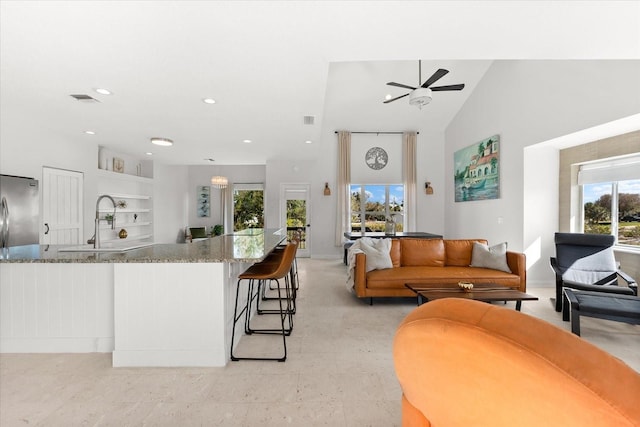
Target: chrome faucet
x=96 y=236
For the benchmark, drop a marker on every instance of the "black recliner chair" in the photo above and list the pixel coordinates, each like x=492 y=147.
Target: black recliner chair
x=586 y=262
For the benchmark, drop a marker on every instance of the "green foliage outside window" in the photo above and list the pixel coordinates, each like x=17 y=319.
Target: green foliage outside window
x=248 y=209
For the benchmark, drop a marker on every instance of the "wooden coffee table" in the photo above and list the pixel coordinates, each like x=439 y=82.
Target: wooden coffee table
x=486 y=292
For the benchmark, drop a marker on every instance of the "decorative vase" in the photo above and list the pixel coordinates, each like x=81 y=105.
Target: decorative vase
x=390 y=228
x=123 y=234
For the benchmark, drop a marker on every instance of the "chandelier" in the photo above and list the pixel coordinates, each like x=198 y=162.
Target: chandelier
x=219 y=181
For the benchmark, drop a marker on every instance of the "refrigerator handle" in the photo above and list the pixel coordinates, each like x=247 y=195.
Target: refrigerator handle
x=4 y=214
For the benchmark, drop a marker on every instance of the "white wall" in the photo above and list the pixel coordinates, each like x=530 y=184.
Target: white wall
x=526 y=103
x=540 y=208
x=170 y=203
x=430 y=167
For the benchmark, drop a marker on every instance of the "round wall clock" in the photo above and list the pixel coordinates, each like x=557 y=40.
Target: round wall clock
x=376 y=158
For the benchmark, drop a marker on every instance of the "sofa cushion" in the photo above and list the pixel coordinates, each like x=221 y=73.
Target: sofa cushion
x=438 y=277
x=422 y=252
x=395 y=252
x=494 y=257
x=458 y=252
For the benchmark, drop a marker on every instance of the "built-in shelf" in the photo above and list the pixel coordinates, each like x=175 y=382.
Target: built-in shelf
x=123 y=176
x=129 y=238
x=126 y=224
x=134 y=192
x=125 y=210
x=130 y=196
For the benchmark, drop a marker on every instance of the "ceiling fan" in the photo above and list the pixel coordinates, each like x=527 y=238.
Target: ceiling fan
x=422 y=95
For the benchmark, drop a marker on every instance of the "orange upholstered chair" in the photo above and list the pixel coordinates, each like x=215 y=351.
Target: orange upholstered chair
x=467 y=363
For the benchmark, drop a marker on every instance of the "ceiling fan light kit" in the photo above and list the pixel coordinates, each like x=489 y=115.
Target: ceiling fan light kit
x=420 y=97
x=163 y=142
x=422 y=94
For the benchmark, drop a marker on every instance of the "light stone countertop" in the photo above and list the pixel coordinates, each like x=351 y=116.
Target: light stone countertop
x=250 y=245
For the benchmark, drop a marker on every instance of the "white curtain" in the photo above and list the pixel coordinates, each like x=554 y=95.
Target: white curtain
x=409 y=140
x=342 y=189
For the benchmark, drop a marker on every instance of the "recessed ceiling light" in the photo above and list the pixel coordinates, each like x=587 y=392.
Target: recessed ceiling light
x=246 y=141
x=149 y=153
x=209 y=101
x=388 y=97
x=102 y=91
x=308 y=142
x=165 y=142
x=89 y=132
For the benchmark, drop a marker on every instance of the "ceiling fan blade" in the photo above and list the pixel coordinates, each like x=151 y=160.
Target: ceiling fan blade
x=400 y=85
x=450 y=87
x=435 y=77
x=397 y=97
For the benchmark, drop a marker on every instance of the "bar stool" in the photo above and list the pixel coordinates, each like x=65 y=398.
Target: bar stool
x=263 y=273
x=274 y=258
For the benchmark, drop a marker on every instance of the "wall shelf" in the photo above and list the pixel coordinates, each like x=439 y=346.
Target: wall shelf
x=129 y=238
x=125 y=210
x=125 y=225
x=130 y=196
x=123 y=176
x=134 y=191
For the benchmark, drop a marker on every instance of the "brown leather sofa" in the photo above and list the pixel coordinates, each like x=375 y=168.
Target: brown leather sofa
x=467 y=363
x=433 y=262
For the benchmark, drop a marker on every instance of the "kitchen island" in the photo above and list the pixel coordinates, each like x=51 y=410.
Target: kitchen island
x=160 y=305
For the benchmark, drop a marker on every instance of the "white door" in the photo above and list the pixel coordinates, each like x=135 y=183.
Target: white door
x=295 y=211
x=62 y=204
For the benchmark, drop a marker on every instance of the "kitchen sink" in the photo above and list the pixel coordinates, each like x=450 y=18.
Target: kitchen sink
x=106 y=247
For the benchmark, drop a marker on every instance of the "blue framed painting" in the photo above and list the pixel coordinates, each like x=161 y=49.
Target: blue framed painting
x=477 y=171
x=204 y=202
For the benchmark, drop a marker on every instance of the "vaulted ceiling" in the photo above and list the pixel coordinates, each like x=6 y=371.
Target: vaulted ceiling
x=268 y=64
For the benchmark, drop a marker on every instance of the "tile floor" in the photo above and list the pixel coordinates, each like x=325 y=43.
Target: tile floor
x=339 y=371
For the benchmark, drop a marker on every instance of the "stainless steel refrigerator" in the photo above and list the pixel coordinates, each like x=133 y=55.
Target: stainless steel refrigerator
x=19 y=211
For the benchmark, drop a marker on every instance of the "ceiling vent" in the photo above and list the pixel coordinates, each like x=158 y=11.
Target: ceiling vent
x=309 y=120
x=84 y=98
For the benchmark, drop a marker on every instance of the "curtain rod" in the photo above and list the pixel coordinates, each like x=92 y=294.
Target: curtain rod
x=384 y=133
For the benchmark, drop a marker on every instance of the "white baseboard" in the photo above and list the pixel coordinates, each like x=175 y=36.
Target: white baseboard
x=57 y=345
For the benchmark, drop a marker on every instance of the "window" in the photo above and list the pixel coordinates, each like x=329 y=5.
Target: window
x=248 y=206
x=374 y=204
x=611 y=199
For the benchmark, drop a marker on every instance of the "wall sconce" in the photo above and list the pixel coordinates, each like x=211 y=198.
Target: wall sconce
x=327 y=190
x=428 y=189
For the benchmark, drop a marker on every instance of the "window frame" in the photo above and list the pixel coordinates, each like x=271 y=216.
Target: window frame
x=615 y=222
x=387 y=208
x=251 y=186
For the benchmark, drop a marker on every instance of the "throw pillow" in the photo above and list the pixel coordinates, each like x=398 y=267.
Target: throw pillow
x=377 y=251
x=494 y=257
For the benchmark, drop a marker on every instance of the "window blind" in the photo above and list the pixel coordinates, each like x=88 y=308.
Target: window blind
x=248 y=186
x=621 y=169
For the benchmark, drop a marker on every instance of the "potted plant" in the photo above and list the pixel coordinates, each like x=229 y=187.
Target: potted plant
x=108 y=218
x=217 y=230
